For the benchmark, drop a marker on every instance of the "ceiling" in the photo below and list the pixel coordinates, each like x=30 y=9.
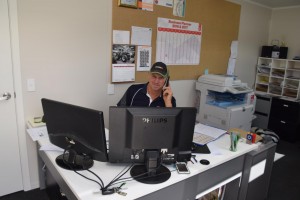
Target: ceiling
x=277 y=3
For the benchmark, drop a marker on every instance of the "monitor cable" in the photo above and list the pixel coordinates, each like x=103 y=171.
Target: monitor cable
x=104 y=189
x=127 y=179
x=107 y=190
x=131 y=178
x=101 y=184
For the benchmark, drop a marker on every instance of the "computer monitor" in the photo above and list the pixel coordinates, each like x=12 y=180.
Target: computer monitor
x=79 y=131
x=150 y=136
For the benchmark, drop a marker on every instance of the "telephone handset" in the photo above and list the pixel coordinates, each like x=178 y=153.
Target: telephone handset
x=167 y=82
x=165 y=85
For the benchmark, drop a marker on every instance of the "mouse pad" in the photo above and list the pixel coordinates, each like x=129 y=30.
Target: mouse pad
x=200 y=149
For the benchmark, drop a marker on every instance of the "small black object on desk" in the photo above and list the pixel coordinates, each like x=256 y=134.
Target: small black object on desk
x=204 y=162
x=200 y=149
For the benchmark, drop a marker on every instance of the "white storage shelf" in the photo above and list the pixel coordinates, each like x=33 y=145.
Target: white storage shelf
x=278 y=77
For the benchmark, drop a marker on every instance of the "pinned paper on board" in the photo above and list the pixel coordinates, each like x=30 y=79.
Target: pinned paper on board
x=141 y=35
x=123 y=72
x=179 y=8
x=121 y=37
x=232 y=59
x=143 y=58
x=178 y=42
x=145 y=5
x=166 y=3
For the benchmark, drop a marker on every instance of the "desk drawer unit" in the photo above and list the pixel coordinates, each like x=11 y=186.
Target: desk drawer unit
x=285 y=110
x=286 y=130
x=285 y=118
x=263 y=104
x=262 y=111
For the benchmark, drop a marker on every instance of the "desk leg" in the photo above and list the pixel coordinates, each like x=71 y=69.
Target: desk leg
x=52 y=188
x=53 y=178
x=258 y=188
x=41 y=168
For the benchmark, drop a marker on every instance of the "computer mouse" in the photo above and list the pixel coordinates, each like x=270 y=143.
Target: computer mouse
x=204 y=162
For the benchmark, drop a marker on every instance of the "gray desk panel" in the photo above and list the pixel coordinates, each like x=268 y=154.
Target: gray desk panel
x=258 y=188
x=188 y=189
x=63 y=186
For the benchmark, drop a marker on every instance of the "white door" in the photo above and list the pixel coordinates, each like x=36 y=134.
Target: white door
x=10 y=163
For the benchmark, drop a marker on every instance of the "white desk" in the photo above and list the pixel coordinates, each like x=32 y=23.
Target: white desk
x=223 y=166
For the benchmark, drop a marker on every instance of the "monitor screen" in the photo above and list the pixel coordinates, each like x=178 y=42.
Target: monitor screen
x=79 y=131
x=150 y=136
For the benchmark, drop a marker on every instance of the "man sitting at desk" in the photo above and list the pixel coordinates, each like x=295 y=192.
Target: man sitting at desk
x=155 y=93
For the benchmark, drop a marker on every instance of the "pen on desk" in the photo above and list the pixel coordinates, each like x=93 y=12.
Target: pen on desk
x=194 y=157
x=192 y=162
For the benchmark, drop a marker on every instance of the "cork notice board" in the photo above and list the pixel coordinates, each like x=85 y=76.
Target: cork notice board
x=220 y=21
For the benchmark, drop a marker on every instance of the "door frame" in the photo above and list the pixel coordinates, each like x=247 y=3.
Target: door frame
x=16 y=65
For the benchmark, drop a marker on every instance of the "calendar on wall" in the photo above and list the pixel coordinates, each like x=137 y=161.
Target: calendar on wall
x=178 y=42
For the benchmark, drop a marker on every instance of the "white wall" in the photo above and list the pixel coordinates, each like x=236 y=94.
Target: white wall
x=259 y=26
x=285 y=28
x=65 y=47
x=253 y=33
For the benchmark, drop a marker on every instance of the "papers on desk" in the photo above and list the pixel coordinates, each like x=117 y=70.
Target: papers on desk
x=204 y=134
x=51 y=147
x=38 y=133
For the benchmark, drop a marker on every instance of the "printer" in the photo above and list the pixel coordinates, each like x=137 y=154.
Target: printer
x=225 y=102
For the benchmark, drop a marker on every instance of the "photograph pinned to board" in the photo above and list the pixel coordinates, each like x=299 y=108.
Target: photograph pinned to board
x=123 y=53
x=179 y=8
x=145 y=5
x=143 y=58
x=128 y=3
x=166 y=3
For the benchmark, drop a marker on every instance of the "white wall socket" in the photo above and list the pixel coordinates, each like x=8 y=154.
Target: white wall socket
x=110 y=88
x=30 y=85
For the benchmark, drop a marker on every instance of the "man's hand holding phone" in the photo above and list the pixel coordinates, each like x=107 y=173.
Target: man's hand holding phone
x=167 y=93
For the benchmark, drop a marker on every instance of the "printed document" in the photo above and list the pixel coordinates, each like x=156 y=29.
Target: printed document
x=204 y=134
x=38 y=133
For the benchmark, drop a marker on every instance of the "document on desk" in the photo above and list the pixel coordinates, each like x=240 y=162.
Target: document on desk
x=51 y=147
x=204 y=134
x=38 y=133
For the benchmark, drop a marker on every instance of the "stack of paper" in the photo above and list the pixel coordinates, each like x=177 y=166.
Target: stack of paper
x=38 y=133
x=204 y=134
x=36 y=124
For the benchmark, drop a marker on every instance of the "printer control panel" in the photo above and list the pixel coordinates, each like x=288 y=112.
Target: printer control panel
x=239 y=89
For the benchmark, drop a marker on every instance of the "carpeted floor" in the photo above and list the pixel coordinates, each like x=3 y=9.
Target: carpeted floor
x=285 y=178
x=36 y=194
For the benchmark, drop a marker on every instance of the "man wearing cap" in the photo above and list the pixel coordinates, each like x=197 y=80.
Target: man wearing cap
x=155 y=93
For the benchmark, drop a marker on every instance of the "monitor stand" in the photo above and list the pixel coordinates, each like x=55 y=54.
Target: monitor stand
x=73 y=161
x=152 y=172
